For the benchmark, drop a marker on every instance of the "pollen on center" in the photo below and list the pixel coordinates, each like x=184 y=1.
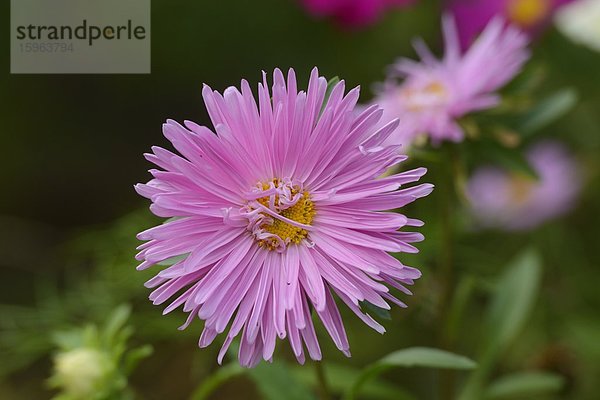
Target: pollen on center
x=526 y=13
x=292 y=203
x=420 y=97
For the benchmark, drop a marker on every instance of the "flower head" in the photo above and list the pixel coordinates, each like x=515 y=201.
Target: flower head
x=353 y=13
x=580 y=21
x=276 y=213
x=435 y=93
x=512 y=201
x=530 y=16
x=81 y=372
x=93 y=362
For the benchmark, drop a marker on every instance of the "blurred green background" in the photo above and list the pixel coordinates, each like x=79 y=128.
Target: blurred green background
x=72 y=150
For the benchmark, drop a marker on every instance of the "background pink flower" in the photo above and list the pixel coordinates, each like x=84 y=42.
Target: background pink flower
x=434 y=93
x=353 y=13
x=530 y=16
x=512 y=201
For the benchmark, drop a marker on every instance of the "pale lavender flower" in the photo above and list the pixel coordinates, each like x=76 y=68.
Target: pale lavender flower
x=278 y=213
x=513 y=201
x=435 y=93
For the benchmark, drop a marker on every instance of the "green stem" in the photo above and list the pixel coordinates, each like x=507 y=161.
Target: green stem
x=324 y=392
x=446 y=261
x=218 y=378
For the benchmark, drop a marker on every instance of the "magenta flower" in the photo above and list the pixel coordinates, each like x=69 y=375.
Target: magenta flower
x=512 y=201
x=353 y=13
x=435 y=93
x=278 y=212
x=472 y=16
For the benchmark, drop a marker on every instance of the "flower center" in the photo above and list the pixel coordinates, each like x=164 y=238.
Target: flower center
x=521 y=188
x=527 y=13
x=280 y=213
x=429 y=96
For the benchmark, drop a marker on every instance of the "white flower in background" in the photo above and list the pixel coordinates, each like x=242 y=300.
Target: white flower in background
x=81 y=371
x=580 y=22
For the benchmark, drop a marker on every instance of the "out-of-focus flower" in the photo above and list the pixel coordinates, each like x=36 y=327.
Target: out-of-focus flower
x=512 y=201
x=435 y=93
x=276 y=212
x=580 y=22
x=472 y=16
x=353 y=13
x=81 y=372
x=92 y=363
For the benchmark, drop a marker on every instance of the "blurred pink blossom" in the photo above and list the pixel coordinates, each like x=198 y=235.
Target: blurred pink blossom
x=434 y=93
x=353 y=13
x=472 y=16
x=512 y=201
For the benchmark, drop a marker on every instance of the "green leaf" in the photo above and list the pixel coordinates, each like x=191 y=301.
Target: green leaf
x=330 y=85
x=515 y=296
x=68 y=340
x=411 y=357
x=341 y=378
x=524 y=385
x=547 y=111
x=528 y=80
x=276 y=382
x=215 y=380
x=116 y=321
x=511 y=159
x=460 y=300
x=375 y=311
x=426 y=357
x=173 y=260
x=133 y=357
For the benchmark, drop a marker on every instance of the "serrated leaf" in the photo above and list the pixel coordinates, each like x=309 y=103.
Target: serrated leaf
x=524 y=385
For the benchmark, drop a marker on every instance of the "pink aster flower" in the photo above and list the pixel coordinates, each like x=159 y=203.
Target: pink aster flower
x=531 y=16
x=511 y=201
x=277 y=212
x=435 y=93
x=353 y=13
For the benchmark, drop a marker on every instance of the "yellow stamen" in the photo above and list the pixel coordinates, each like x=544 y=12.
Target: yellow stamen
x=302 y=212
x=521 y=188
x=527 y=13
x=427 y=96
